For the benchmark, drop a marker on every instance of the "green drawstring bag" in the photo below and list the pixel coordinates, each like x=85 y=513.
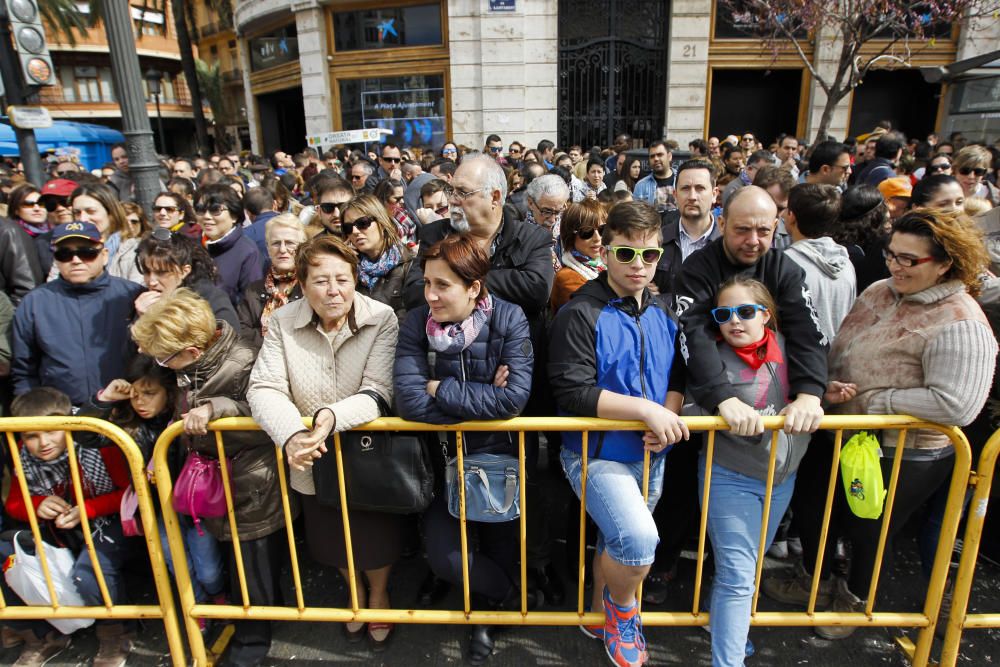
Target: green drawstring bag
x=861 y=470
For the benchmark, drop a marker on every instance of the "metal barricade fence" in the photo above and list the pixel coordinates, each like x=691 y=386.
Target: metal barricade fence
x=924 y=620
x=165 y=608
x=981 y=481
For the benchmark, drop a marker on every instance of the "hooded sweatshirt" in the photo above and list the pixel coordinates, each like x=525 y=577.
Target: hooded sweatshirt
x=830 y=278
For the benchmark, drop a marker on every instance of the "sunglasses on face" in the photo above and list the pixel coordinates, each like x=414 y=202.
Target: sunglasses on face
x=449 y=151
x=53 y=203
x=394 y=160
x=941 y=166
x=168 y=209
x=496 y=149
x=87 y=253
x=588 y=232
x=213 y=209
x=514 y=151
x=361 y=223
x=978 y=171
x=744 y=311
x=624 y=254
x=331 y=208
x=34 y=203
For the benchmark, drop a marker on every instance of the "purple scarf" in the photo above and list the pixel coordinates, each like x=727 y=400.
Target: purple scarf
x=453 y=338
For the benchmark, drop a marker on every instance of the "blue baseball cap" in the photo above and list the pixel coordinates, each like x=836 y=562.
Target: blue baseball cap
x=76 y=230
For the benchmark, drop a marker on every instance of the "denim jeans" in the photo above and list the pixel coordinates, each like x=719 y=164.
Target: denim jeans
x=626 y=529
x=204 y=558
x=735 y=511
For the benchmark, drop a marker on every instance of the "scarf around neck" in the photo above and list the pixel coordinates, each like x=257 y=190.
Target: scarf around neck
x=278 y=288
x=371 y=271
x=588 y=267
x=455 y=337
x=52 y=478
x=33 y=230
x=766 y=350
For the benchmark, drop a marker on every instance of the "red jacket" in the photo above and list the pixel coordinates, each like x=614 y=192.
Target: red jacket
x=109 y=503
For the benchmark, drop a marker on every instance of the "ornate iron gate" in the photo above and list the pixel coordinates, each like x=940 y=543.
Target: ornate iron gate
x=612 y=70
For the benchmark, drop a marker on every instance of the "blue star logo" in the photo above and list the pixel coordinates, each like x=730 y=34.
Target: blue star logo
x=386 y=28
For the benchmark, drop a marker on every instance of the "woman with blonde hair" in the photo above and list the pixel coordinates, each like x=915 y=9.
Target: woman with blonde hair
x=123 y=264
x=383 y=259
x=284 y=234
x=970 y=166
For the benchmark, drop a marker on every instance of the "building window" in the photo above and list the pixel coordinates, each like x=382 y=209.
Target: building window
x=387 y=28
x=275 y=48
x=87 y=84
x=149 y=22
x=412 y=107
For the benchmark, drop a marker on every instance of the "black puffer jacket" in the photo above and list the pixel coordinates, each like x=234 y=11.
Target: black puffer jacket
x=389 y=290
x=20 y=271
x=251 y=308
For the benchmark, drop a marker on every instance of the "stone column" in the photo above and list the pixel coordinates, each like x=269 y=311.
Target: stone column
x=310 y=22
x=250 y=100
x=687 y=70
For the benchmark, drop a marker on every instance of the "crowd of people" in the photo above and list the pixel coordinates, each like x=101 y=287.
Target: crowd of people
x=738 y=280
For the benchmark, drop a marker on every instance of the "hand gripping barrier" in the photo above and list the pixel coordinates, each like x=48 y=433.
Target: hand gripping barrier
x=165 y=609
x=981 y=481
x=870 y=617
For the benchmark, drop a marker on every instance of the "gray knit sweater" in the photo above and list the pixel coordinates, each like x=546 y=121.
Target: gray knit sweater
x=930 y=355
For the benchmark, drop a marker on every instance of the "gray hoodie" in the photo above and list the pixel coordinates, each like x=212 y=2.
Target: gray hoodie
x=830 y=278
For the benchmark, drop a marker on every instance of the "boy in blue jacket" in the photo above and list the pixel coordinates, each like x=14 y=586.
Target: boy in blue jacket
x=613 y=355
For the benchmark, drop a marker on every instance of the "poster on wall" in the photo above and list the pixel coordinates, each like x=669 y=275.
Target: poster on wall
x=415 y=117
x=503 y=5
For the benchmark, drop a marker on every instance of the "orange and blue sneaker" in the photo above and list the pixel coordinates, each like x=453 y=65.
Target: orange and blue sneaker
x=623 y=638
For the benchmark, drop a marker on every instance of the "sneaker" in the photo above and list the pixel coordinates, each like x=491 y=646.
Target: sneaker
x=592 y=631
x=795 y=590
x=37 y=652
x=113 y=648
x=844 y=601
x=779 y=549
x=623 y=639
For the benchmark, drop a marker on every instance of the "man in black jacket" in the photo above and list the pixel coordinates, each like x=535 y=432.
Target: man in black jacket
x=748 y=225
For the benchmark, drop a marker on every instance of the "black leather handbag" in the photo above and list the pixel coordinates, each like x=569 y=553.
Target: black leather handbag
x=383 y=472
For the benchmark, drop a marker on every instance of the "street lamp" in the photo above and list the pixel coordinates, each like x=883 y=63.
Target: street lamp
x=153 y=77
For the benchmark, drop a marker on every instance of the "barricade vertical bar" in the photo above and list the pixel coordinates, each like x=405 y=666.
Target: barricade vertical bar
x=971 y=542
x=703 y=527
x=286 y=509
x=15 y=457
x=524 y=522
x=765 y=519
x=231 y=512
x=74 y=473
x=946 y=542
x=886 y=517
x=462 y=528
x=582 y=565
x=645 y=498
x=352 y=584
x=824 y=533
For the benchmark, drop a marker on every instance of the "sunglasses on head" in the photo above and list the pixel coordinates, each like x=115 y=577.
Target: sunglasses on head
x=212 y=209
x=87 y=253
x=624 y=254
x=52 y=203
x=744 y=311
x=978 y=171
x=588 y=232
x=361 y=223
x=330 y=208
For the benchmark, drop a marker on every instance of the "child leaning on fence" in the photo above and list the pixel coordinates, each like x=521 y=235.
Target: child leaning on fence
x=104 y=477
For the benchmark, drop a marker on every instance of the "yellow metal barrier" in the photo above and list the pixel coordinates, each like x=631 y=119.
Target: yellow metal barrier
x=165 y=609
x=981 y=481
x=924 y=620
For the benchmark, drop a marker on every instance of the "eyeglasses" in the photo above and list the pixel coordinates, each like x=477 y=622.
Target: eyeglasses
x=281 y=243
x=549 y=212
x=356 y=177
x=904 y=260
x=87 y=253
x=331 y=207
x=588 y=232
x=624 y=254
x=462 y=195
x=361 y=223
x=941 y=166
x=32 y=204
x=212 y=209
x=164 y=362
x=168 y=209
x=53 y=203
x=978 y=171
x=394 y=160
x=496 y=149
x=744 y=311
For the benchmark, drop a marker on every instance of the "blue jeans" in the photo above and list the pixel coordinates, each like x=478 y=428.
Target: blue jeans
x=734 y=518
x=204 y=558
x=626 y=529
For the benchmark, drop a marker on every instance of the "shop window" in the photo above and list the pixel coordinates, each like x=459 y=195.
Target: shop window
x=388 y=28
x=411 y=107
x=275 y=48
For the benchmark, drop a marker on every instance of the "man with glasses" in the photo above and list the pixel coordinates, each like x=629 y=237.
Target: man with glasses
x=757 y=160
x=829 y=164
x=494 y=148
x=515 y=153
x=613 y=355
x=362 y=177
x=332 y=196
x=547 y=197
x=72 y=333
x=390 y=164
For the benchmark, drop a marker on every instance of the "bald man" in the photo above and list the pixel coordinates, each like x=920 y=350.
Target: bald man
x=748 y=224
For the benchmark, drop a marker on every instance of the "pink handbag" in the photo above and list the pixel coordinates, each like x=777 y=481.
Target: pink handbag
x=131 y=521
x=198 y=491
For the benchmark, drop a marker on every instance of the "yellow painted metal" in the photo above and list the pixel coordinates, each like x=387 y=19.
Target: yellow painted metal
x=88 y=539
x=761 y=550
x=703 y=527
x=231 y=516
x=165 y=608
x=524 y=522
x=463 y=528
x=352 y=576
x=824 y=534
x=959 y=619
x=582 y=566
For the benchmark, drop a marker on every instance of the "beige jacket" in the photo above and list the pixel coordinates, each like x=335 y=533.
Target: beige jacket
x=299 y=371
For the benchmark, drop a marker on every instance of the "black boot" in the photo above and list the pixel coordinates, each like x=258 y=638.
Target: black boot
x=480 y=644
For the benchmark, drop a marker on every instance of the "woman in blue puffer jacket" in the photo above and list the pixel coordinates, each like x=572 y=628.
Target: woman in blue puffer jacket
x=465 y=355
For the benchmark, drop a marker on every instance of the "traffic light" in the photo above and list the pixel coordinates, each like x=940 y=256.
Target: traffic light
x=29 y=41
